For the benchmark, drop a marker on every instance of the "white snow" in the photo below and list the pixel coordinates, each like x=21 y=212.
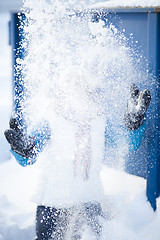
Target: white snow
x=132 y=216
x=126 y=4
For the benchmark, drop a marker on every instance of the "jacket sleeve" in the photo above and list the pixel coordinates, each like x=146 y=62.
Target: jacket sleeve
x=134 y=137
x=22 y=160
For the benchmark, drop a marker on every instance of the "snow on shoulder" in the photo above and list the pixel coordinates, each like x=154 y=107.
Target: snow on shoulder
x=127 y=4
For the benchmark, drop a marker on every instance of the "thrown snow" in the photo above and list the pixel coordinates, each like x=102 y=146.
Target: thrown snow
x=132 y=216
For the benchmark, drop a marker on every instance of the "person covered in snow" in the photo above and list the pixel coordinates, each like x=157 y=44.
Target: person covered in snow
x=67 y=204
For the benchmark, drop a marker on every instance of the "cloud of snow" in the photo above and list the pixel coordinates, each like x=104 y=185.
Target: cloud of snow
x=51 y=51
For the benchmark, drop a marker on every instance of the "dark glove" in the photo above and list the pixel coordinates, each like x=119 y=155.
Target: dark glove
x=18 y=139
x=137 y=107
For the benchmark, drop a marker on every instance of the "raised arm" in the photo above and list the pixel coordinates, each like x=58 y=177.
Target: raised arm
x=137 y=106
x=26 y=148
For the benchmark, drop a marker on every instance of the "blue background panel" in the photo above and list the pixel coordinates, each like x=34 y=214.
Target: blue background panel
x=144 y=27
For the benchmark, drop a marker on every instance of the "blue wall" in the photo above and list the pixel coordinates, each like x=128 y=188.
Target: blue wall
x=144 y=24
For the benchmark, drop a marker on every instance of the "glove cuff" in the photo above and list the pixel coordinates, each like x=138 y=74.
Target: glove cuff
x=23 y=161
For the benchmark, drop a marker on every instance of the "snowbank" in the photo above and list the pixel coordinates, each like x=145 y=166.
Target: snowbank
x=131 y=215
x=17 y=212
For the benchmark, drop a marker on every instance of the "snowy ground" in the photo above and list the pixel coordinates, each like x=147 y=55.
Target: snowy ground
x=133 y=217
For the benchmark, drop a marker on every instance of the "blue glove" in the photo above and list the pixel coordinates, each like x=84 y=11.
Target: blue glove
x=20 y=142
x=137 y=107
x=23 y=147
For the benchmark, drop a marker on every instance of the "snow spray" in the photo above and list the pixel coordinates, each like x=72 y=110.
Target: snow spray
x=76 y=67
x=77 y=70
